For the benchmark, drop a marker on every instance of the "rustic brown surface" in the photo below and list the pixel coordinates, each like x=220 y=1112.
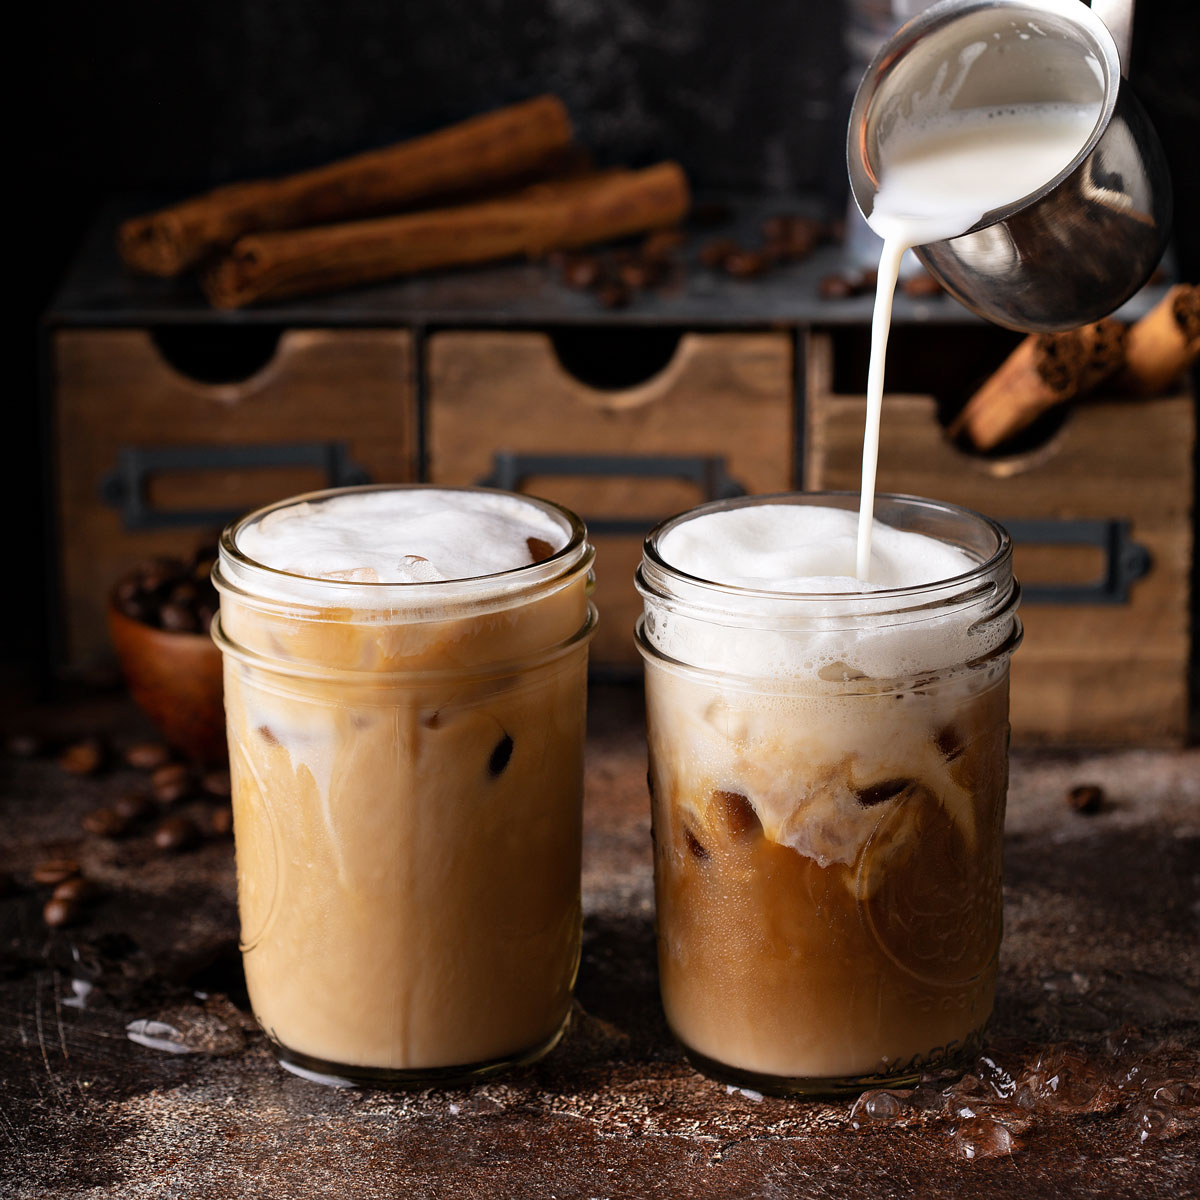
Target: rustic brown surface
x=1101 y=934
x=113 y=389
x=1102 y=674
x=728 y=396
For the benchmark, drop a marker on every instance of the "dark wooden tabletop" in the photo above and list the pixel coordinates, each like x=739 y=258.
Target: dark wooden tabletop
x=1097 y=1018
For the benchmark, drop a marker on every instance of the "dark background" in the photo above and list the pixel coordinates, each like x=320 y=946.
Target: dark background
x=175 y=97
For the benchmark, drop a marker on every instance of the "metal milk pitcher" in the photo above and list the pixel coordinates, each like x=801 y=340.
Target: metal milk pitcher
x=1083 y=243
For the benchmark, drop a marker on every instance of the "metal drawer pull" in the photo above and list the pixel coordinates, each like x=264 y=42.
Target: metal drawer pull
x=1126 y=561
x=125 y=486
x=708 y=473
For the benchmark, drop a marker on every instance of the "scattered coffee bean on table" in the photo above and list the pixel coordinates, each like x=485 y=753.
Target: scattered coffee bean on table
x=171 y=783
x=176 y=833
x=105 y=822
x=148 y=756
x=55 y=870
x=57 y=913
x=216 y=783
x=76 y=890
x=220 y=822
x=133 y=805
x=83 y=758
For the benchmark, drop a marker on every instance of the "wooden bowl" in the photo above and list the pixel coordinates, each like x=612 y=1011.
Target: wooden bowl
x=175 y=678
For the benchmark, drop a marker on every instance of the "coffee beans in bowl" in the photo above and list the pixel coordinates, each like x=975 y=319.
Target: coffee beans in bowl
x=158 y=618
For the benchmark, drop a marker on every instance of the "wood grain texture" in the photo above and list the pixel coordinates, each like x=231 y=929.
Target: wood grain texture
x=727 y=395
x=1085 y=673
x=113 y=389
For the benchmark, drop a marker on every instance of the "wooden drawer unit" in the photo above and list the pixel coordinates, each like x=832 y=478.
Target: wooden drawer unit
x=715 y=420
x=1101 y=517
x=149 y=460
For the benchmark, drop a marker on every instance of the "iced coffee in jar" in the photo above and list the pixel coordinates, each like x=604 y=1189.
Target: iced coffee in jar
x=828 y=767
x=405 y=689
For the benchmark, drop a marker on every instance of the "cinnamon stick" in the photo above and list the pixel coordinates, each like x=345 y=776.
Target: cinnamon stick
x=1044 y=370
x=553 y=216
x=1163 y=344
x=482 y=151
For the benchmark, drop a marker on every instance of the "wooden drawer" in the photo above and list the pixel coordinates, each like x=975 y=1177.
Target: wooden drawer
x=1096 y=666
x=149 y=460
x=715 y=420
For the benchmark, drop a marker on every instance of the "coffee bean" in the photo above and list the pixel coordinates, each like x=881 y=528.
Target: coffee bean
x=216 y=783
x=184 y=593
x=55 y=870
x=140 y=609
x=57 y=913
x=500 y=756
x=148 y=756
x=717 y=252
x=637 y=275
x=837 y=287
x=178 y=618
x=613 y=295
x=105 y=822
x=777 y=229
x=176 y=833
x=132 y=806
x=77 y=890
x=581 y=271
x=746 y=264
x=220 y=822
x=25 y=745
x=127 y=589
x=171 y=783
x=658 y=246
x=83 y=758
x=1086 y=798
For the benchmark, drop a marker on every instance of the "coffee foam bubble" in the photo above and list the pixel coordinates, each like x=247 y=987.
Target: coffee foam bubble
x=405 y=535
x=818 y=622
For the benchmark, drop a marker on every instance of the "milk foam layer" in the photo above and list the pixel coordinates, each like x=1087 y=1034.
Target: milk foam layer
x=804 y=548
x=406 y=535
x=819 y=623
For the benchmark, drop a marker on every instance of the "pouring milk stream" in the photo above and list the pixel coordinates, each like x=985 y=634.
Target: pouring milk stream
x=942 y=171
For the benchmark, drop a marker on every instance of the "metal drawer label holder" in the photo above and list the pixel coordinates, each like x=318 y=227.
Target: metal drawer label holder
x=125 y=486
x=707 y=473
x=1126 y=561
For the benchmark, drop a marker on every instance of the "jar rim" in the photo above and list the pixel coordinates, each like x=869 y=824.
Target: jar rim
x=967 y=581
x=295 y=589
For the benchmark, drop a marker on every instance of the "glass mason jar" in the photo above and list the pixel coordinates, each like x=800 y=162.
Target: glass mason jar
x=828 y=777
x=407 y=765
